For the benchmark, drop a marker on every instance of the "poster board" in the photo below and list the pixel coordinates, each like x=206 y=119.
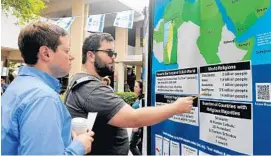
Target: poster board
x=224 y=49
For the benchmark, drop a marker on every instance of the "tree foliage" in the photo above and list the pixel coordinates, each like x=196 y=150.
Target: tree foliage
x=13 y=65
x=128 y=97
x=23 y=10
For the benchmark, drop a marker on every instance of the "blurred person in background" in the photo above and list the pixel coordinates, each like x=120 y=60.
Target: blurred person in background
x=4 y=85
x=137 y=133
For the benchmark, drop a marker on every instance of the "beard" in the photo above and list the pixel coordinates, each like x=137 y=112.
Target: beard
x=101 y=68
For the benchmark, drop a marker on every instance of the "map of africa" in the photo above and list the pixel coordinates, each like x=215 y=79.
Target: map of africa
x=190 y=33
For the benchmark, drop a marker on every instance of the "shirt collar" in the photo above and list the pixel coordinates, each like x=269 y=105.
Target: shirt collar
x=46 y=78
x=85 y=73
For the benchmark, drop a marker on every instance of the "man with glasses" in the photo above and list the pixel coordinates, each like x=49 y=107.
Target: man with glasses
x=34 y=118
x=86 y=93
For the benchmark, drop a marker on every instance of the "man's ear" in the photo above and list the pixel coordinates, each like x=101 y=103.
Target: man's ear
x=90 y=56
x=44 y=53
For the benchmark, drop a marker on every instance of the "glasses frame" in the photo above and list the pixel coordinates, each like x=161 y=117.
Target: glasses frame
x=110 y=53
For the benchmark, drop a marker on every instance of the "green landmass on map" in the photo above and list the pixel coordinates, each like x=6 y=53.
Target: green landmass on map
x=244 y=13
x=248 y=46
x=249 y=11
x=210 y=31
x=206 y=14
x=178 y=12
x=158 y=36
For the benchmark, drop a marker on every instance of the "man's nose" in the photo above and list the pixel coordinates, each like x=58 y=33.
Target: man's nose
x=71 y=57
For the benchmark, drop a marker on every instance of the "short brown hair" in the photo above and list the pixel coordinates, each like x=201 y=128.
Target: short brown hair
x=38 y=34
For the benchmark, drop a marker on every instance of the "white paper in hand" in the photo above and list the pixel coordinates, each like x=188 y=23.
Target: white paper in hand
x=91 y=119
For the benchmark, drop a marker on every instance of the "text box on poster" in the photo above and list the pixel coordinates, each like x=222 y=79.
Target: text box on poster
x=232 y=81
x=158 y=144
x=187 y=118
x=188 y=151
x=165 y=146
x=174 y=148
x=177 y=81
x=227 y=124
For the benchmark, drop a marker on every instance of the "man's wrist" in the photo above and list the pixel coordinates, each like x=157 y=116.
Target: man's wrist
x=174 y=108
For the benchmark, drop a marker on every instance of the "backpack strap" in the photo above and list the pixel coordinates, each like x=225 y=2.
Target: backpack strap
x=77 y=84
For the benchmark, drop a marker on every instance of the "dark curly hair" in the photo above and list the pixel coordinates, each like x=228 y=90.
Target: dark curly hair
x=93 y=42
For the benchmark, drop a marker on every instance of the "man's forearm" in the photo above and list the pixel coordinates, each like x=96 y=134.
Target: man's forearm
x=129 y=117
x=152 y=115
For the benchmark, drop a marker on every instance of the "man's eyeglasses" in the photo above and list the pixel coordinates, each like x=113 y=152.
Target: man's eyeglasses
x=110 y=53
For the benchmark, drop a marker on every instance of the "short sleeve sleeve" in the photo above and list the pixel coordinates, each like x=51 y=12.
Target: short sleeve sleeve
x=104 y=101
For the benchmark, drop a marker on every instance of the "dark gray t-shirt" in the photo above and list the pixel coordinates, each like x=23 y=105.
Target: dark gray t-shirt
x=93 y=96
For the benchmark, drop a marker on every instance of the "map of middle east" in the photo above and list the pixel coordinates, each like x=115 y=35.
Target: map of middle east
x=200 y=32
x=218 y=51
